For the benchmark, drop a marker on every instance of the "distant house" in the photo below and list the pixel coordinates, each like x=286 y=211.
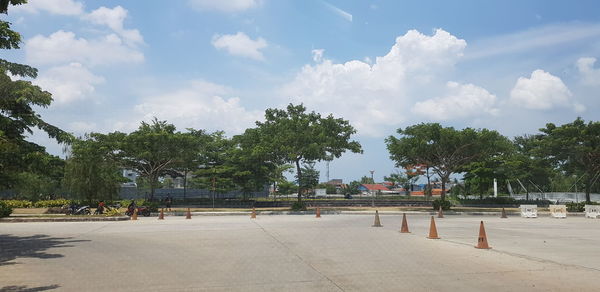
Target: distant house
x=373 y=188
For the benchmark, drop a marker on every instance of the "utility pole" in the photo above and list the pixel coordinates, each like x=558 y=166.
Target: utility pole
x=372 y=194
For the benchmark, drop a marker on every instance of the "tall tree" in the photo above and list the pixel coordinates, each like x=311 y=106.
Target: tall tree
x=295 y=136
x=151 y=150
x=445 y=149
x=18 y=100
x=92 y=171
x=310 y=176
x=575 y=148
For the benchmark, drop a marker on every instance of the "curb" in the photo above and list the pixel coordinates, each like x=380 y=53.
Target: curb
x=62 y=219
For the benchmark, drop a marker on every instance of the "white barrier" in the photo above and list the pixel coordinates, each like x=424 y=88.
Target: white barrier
x=592 y=211
x=558 y=211
x=528 y=211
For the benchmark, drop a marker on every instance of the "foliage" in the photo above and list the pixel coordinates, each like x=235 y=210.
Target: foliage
x=286 y=188
x=35 y=186
x=18 y=101
x=574 y=148
x=310 y=176
x=578 y=207
x=367 y=180
x=92 y=172
x=446 y=204
x=298 y=206
x=295 y=136
x=330 y=189
x=352 y=188
x=18 y=203
x=51 y=203
x=444 y=149
x=5 y=209
x=112 y=213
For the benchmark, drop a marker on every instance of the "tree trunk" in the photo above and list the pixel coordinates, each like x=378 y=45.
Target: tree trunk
x=299 y=172
x=588 y=189
x=153 y=183
x=444 y=180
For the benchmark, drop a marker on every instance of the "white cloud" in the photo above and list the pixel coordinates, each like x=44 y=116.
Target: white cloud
x=63 y=47
x=372 y=96
x=341 y=13
x=82 y=127
x=542 y=91
x=240 y=44
x=113 y=18
x=68 y=83
x=589 y=75
x=58 y=7
x=224 y=5
x=199 y=105
x=317 y=55
x=461 y=101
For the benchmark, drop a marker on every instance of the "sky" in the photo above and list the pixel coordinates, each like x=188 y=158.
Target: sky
x=511 y=66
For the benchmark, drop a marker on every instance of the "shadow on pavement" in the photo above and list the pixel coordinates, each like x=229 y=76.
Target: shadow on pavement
x=12 y=247
x=25 y=289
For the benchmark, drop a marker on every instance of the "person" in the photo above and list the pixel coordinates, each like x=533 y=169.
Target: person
x=168 y=201
x=100 y=209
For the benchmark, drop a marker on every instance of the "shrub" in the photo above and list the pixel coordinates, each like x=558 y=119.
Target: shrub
x=446 y=204
x=112 y=213
x=578 y=207
x=298 y=206
x=51 y=203
x=152 y=206
x=18 y=203
x=5 y=210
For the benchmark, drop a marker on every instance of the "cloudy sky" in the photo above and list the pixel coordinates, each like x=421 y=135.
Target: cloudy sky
x=217 y=65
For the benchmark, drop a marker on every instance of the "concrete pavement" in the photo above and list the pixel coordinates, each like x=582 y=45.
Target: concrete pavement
x=300 y=253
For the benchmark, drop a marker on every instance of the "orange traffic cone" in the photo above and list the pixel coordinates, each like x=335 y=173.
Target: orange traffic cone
x=440 y=213
x=404 y=228
x=253 y=215
x=482 y=240
x=188 y=215
x=162 y=214
x=503 y=213
x=134 y=216
x=318 y=212
x=432 y=230
x=377 y=223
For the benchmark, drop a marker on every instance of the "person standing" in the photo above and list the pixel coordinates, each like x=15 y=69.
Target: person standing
x=168 y=202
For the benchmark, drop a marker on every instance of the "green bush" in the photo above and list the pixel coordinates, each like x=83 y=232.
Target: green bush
x=5 y=210
x=18 y=203
x=578 y=207
x=112 y=213
x=153 y=206
x=446 y=204
x=298 y=206
x=51 y=203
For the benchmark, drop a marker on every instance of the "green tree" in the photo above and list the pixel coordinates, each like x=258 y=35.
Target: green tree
x=575 y=148
x=286 y=187
x=193 y=147
x=444 y=149
x=18 y=100
x=310 y=176
x=92 y=172
x=367 y=180
x=295 y=136
x=151 y=150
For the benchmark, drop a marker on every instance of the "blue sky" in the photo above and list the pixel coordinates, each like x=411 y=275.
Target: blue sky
x=511 y=66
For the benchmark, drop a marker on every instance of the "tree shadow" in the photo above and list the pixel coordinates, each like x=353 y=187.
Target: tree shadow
x=26 y=289
x=35 y=246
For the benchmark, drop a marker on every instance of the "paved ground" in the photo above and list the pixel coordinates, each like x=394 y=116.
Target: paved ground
x=301 y=253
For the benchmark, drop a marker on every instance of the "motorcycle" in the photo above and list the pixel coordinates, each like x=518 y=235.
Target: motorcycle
x=142 y=210
x=78 y=210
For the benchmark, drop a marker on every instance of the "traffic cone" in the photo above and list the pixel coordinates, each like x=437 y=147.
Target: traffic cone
x=432 y=230
x=440 y=213
x=162 y=214
x=377 y=223
x=188 y=215
x=134 y=216
x=404 y=228
x=503 y=213
x=482 y=240
x=253 y=215
x=318 y=212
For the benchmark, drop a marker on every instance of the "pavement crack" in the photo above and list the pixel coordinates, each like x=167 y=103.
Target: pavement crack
x=298 y=256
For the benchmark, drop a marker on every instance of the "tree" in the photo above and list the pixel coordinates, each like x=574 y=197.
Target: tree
x=445 y=150
x=18 y=99
x=151 y=150
x=92 y=172
x=367 y=180
x=575 y=148
x=309 y=178
x=295 y=136
x=193 y=147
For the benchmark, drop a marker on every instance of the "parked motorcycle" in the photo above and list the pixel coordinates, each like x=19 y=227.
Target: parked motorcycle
x=142 y=210
x=78 y=210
